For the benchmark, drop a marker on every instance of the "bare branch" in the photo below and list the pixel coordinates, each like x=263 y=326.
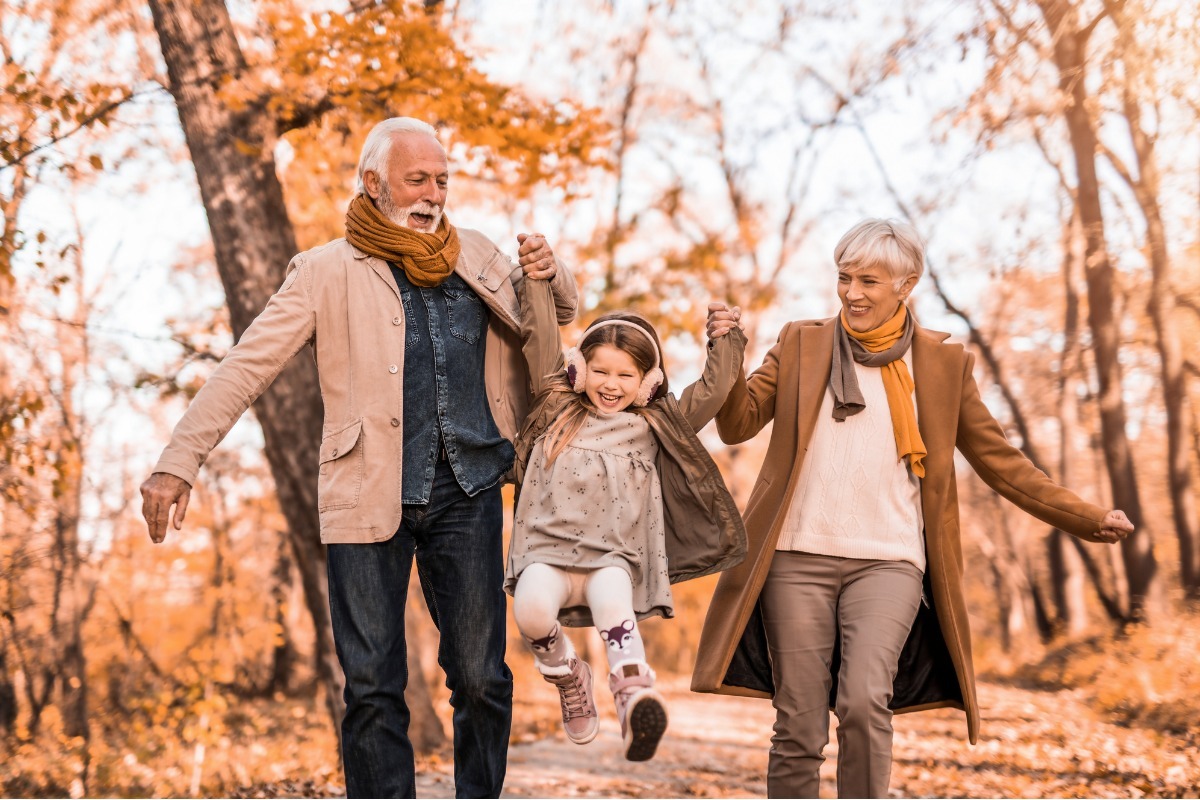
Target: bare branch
x=97 y=115
x=974 y=335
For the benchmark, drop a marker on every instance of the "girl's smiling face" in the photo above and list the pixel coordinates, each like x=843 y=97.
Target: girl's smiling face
x=613 y=379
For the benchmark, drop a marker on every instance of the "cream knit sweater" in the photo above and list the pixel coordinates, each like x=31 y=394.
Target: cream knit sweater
x=855 y=497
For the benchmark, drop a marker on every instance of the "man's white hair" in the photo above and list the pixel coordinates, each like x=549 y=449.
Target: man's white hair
x=889 y=243
x=378 y=146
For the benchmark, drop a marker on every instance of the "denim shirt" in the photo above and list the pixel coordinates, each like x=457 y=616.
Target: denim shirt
x=445 y=400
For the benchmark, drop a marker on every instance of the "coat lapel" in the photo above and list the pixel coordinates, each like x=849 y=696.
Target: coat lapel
x=490 y=282
x=938 y=381
x=380 y=268
x=816 y=362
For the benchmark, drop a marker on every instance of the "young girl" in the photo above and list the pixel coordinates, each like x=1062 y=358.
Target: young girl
x=618 y=499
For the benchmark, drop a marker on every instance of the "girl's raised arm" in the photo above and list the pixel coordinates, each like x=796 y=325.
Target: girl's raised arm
x=701 y=401
x=541 y=341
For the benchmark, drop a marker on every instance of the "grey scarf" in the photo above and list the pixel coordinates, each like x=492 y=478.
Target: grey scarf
x=847 y=397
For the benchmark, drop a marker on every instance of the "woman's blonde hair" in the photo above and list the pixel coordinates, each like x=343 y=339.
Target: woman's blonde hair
x=890 y=243
x=642 y=350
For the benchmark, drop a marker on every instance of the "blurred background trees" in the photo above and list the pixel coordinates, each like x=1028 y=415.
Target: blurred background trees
x=161 y=162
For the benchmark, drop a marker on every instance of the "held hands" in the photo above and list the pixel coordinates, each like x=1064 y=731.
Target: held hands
x=722 y=319
x=1114 y=527
x=161 y=491
x=536 y=257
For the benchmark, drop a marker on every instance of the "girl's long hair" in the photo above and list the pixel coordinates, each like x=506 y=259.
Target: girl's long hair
x=570 y=420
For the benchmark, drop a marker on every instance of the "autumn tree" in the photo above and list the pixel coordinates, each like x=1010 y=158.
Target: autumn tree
x=1070 y=35
x=1142 y=101
x=48 y=111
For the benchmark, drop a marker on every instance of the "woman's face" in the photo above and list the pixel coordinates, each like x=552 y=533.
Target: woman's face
x=870 y=297
x=613 y=379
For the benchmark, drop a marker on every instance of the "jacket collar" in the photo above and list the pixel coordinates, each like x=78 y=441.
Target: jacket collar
x=929 y=372
x=501 y=300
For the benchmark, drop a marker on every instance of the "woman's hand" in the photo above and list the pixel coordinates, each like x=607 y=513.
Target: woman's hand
x=1114 y=527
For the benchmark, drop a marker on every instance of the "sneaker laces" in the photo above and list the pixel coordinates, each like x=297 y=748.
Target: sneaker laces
x=574 y=697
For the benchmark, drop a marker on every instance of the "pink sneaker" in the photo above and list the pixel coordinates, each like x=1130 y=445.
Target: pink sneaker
x=580 y=718
x=642 y=712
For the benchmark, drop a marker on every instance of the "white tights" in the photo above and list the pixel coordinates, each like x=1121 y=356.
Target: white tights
x=543 y=590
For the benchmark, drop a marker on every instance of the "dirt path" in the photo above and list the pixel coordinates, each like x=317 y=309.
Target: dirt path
x=1035 y=744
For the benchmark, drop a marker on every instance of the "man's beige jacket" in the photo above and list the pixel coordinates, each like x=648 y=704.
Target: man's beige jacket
x=347 y=305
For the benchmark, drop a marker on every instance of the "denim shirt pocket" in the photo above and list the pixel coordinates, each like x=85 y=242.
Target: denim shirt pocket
x=341 y=473
x=465 y=313
x=411 y=330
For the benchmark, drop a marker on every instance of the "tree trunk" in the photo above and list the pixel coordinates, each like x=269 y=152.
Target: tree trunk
x=253 y=240
x=1137 y=550
x=1066 y=569
x=283 y=654
x=8 y=694
x=72 y=599
x=1138 y=81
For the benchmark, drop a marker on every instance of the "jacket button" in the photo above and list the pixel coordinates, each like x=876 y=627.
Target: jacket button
x=395 y=422
x=392 y=369
x=334 y=453
x=395 y=320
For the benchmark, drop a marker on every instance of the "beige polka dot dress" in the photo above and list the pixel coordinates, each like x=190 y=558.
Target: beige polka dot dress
x=598 y=505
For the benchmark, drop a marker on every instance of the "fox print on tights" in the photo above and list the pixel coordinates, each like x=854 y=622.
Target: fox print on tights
x=546 y=643
x=620 y=637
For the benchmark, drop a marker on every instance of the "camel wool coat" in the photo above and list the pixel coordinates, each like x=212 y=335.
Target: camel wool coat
x=935 y=668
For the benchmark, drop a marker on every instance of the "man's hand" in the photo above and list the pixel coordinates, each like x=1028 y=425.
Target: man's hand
x=536 y=257
x=1114 y=527
x=161 y=491
x=722 y=319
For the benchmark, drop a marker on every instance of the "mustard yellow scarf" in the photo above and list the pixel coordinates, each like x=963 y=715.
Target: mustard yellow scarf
x=884 y=347
x=426 y=258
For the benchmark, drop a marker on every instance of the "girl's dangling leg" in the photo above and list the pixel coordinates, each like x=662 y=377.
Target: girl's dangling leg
x=540 y=592
x=642 y=712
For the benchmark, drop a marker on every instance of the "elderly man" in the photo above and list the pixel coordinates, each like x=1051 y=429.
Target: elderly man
x=415 y=327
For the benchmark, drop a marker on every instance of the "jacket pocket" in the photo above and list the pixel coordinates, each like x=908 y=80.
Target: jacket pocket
x=464 y=309
x=412 y=334
x=497 y=271
x=341 y=474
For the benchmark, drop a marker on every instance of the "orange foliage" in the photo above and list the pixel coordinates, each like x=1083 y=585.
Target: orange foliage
x=327 y=77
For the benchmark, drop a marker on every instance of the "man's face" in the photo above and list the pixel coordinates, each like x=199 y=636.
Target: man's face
x=413 y=192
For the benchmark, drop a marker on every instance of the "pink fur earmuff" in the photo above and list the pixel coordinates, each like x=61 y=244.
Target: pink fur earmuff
x=577 y=365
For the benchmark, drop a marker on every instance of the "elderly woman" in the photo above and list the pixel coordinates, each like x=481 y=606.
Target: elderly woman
x=851 y=596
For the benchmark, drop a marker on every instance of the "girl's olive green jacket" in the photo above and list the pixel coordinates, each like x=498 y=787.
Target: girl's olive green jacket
x=704 y=531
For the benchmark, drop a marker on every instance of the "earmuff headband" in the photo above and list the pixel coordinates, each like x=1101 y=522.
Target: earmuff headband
x=605 y=323
x=651 y=381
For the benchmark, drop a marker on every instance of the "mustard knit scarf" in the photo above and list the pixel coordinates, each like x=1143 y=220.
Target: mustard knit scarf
x=426 y=258
x=884 y=348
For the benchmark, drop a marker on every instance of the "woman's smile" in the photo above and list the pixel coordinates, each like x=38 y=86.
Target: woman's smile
x=870 y=296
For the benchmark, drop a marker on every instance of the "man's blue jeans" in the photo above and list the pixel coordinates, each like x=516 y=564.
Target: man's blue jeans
x=457 y=543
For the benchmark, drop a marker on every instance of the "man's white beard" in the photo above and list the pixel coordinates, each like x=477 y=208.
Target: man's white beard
x=400 y=216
